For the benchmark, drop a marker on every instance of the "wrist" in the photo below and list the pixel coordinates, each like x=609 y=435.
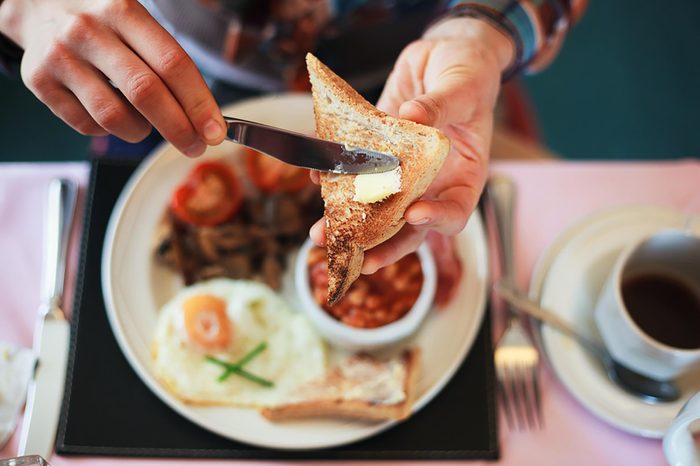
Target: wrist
x=500 y=46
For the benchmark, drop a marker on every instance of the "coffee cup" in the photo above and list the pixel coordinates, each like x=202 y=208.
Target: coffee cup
x=648 y=312
x=679 y=447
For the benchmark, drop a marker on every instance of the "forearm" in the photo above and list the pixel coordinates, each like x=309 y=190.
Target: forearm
x=536 y=28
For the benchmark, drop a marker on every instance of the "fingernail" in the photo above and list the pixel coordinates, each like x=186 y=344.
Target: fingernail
x=316 y=235
x=196 y=149
x=212 y=130
x=368 y=268
x=420 y=221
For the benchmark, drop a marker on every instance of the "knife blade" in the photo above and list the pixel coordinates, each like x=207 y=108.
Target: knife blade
x=52 y=331
x=306 y=151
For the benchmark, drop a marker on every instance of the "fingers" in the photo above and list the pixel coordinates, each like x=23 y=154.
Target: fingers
x=390 y=100
x=69 y=109
x=159 y=50
x=447 y=215
x=404 y=81
x=145 y=91
x=315 y=176
x=448 y=102
x=317 y=232
x=80 y=47
x=106 y=107
x=77 y=93
x=404 y=242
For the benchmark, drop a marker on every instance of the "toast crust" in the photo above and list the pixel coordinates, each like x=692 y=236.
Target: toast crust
x=342 y=115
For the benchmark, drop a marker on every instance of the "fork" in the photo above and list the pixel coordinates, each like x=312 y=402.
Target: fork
x=515 y=356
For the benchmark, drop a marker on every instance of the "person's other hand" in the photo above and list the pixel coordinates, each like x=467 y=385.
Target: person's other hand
x=74 y=48
x=449 y=80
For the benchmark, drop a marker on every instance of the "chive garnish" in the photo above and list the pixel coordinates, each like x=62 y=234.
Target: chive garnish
x=237 y=367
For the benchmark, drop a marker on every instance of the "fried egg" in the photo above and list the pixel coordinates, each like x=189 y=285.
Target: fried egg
x=226 y=319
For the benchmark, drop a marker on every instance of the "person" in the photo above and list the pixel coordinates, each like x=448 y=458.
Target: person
x=124 y=67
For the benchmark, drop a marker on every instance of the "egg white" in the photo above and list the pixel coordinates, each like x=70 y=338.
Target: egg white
x=295 y=352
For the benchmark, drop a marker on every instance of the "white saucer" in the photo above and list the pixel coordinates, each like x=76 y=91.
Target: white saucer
x=567 y=280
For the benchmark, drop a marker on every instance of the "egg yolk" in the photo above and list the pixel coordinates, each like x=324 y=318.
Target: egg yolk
x=206 y=322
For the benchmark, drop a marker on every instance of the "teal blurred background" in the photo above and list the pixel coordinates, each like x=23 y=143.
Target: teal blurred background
x=625 y=86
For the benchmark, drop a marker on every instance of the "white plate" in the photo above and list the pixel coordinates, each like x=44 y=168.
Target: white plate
x=135 y=288
x=567 y=279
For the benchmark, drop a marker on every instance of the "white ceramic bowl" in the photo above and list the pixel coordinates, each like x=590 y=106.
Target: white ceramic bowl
x=359 y=339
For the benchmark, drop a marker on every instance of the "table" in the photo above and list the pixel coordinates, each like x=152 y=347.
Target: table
x=552 y=196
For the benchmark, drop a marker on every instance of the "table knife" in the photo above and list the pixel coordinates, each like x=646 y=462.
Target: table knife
x=52 y=332
x=308 y=152
x=32 y=460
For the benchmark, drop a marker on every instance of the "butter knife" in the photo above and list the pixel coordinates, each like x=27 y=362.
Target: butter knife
x=52 y=331
x=306 y=151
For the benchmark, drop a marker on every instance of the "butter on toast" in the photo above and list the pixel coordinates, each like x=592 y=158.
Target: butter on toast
x=342 y=115
x=360 y=387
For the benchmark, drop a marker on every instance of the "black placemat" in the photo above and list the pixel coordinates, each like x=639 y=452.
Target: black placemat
x=107 y=410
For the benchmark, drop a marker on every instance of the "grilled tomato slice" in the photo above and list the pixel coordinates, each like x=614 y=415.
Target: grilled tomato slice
x=210 y=195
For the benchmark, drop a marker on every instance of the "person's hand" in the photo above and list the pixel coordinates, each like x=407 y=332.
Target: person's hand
x=74 y=48
x=450 y=80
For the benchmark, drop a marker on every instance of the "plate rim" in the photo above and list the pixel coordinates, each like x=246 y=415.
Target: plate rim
x=483 y=265
x=539 y=277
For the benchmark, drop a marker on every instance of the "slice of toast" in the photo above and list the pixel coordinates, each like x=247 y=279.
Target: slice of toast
x=360 y=387
x=342 y=115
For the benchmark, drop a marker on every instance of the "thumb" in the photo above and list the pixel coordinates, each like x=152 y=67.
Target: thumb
x=449 y=101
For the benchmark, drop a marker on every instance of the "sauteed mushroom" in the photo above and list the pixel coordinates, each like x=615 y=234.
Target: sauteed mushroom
x=252 y=245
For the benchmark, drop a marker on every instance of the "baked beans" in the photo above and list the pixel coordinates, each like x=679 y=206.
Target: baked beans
x=373 y=300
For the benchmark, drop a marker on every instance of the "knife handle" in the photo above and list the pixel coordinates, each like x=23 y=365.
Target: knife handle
x=62 y=196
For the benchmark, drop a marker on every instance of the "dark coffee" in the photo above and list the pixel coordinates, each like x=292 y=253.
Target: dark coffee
x=664 y=308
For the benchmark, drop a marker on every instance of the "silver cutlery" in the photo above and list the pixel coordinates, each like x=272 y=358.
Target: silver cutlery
x=307 y=152
x=516 y=357
x=52 y=331
x=637 y=384
x=32 y=460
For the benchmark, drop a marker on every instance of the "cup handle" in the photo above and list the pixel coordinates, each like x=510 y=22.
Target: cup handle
x=679 y=447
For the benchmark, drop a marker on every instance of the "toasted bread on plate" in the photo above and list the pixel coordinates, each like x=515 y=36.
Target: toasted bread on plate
x=360 y=387
x=342 y=115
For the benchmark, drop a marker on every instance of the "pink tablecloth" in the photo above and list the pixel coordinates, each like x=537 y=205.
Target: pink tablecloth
x=552 y=195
